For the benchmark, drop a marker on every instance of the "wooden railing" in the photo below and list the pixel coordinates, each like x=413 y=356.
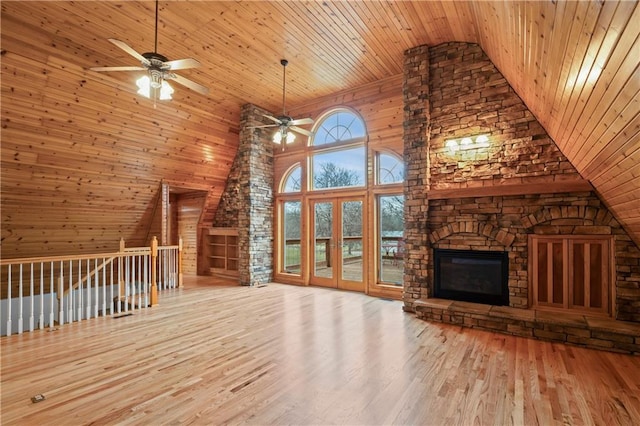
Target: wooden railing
x=390 y=248
x=51 y=291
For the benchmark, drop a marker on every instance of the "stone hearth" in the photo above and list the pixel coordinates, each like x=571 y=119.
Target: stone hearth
x=575 y=329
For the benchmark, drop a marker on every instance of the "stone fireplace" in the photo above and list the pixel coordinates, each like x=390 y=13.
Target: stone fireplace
x=496 y=198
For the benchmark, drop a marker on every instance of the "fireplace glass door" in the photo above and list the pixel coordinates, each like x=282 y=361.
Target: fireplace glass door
x=472 y=276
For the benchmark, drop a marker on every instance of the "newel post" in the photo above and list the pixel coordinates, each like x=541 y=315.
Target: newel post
x=154 y=269
x=180 y=262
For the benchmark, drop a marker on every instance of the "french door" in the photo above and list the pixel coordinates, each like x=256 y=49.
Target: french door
x=337 y=243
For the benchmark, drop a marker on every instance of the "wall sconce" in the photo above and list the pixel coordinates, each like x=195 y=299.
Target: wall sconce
x=466 y=143
x=481 y=141
x=452 y=145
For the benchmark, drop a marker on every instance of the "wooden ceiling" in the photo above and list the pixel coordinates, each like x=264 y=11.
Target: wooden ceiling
x=575 y=65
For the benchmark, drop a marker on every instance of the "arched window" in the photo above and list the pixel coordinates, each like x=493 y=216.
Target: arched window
x=339 y=157
x=341 y=125
x=339 y=208
x=390 y=169
x=292 y=181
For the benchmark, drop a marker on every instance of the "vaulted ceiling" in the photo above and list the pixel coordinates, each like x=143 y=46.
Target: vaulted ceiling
x=574 y=63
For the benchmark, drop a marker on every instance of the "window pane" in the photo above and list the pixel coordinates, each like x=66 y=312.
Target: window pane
x=391 y=242
x=390 y=169
x=293 y=181
x=291 y=232
x=351 y=247
x=340 y=126
x=323 y=219
x=339 y=169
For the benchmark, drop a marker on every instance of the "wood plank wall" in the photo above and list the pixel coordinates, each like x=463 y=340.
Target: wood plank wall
x=82 y=160
x=189 y=210
x=83 y=155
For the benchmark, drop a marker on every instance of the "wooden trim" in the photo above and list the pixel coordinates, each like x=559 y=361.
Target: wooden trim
x=279 y=251
x=516 y=189
x=223 y=231
x=385 y=291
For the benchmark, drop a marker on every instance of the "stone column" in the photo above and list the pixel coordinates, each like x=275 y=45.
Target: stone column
x=247 y=202
x=255 y=219
x=416 y=140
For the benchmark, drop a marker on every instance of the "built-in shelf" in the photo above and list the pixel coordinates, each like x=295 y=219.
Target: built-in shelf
x=220 y=249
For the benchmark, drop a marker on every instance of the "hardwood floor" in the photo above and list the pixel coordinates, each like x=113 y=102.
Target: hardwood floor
x=222 y=354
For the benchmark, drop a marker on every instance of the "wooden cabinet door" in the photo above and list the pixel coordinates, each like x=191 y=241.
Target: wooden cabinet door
x=571 y=272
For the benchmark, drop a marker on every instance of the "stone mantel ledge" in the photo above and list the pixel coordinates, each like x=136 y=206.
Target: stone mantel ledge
x=570 y=328
x=553 y=187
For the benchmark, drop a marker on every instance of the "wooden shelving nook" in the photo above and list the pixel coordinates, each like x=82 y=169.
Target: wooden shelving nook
x=220 y=249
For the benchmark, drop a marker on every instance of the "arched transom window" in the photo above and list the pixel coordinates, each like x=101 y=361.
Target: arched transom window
x=390 y=169
x=292 y=181
x=338 y=158
x=340 y=125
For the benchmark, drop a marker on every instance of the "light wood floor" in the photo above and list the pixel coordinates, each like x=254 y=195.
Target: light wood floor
x=298 y=355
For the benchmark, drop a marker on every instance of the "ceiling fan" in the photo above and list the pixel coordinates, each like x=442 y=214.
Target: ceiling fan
x=159 y=70
x=285 y=122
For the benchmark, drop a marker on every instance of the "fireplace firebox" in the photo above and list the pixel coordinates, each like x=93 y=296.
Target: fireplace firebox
x=472 y=276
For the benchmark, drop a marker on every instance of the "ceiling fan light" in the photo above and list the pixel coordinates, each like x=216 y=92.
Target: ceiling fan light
x=144 y=86
x=165 y=91
x=290 y=137
x=277 y=137
x=156 y=79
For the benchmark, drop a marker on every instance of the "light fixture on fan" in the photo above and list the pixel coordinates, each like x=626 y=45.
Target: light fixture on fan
x=154 y=87
x=282 y=134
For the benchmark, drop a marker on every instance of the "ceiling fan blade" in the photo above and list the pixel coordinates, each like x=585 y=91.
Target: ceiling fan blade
x=181 y=64
x=188 y=83
x=301 y=130
x=117 y=69
x=272 y=118
x=124 y=46
x=301 y=121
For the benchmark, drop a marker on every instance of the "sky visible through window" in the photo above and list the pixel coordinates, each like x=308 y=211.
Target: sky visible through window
x=390 y=169
x=293 y=183
x=339 y=127
x=351 y=161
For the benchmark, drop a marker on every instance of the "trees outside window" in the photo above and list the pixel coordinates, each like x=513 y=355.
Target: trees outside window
x=339 y=168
